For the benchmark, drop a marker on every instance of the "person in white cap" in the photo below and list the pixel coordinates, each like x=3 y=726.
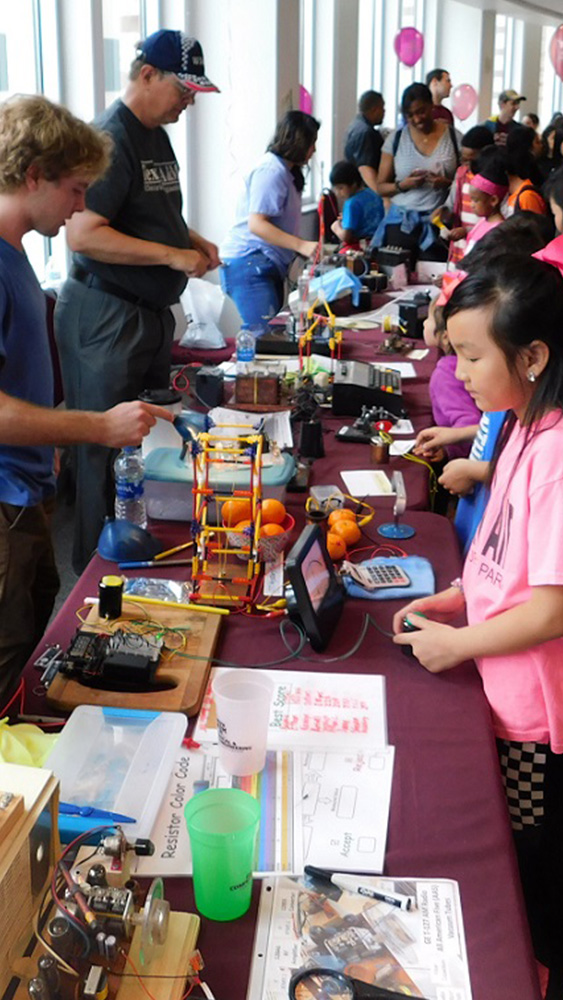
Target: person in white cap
x=502 y=124
x=133 y=255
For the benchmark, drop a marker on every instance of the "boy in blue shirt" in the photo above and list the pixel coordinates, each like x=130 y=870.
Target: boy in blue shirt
x=362 y=209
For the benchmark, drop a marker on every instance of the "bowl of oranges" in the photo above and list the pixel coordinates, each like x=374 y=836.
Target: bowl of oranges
x=343 y=533
x=275 y=530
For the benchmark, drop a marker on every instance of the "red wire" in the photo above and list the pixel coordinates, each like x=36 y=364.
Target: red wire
x=20 y=690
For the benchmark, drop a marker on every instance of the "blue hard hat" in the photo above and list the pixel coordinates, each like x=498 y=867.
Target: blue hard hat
x=123 y=541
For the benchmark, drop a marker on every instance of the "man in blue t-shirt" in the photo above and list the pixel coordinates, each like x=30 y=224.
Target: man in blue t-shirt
x=49 y=158
x=362 y=209
x=133 y=254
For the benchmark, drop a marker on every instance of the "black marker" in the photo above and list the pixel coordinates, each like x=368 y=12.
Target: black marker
x=353 y=883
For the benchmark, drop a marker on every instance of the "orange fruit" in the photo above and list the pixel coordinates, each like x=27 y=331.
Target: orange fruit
x=347 y=530
x=234 y=511
x=340 y=514
x=242 y=526
x=267 y=530
x=273 y=512
x=336 y=546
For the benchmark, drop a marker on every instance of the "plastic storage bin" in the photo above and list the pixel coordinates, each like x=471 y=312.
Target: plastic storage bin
x=118 y=760
x=168 y=482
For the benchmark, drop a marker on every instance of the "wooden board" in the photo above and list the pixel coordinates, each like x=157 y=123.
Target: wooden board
x=171 y=960
x=181 y=681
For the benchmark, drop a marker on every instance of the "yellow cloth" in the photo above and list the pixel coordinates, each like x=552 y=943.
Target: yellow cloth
x=24 y=743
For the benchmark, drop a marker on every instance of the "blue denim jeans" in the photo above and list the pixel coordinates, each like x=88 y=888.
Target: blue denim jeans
x=255 y=285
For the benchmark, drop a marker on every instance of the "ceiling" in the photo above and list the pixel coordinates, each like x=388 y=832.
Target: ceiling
x=539 y=11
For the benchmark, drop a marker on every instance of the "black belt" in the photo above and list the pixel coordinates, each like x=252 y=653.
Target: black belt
x=93 y=281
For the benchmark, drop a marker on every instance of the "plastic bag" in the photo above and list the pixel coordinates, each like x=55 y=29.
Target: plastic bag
x=203 y=303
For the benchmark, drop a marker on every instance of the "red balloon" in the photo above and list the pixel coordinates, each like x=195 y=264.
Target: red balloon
x=409 y=45
x=556 y=51
x=305 y=100
x=464 y=100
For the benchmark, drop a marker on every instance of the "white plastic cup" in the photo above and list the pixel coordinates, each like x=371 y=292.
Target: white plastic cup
x=242 y=699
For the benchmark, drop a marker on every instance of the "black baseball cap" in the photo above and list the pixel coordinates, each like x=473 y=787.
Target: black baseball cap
x=175 y=52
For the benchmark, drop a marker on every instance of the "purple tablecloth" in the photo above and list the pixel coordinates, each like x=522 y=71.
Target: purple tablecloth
x=448 y=816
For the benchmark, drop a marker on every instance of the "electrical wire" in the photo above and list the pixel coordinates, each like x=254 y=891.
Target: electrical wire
x=196 y=981
x=19 y=692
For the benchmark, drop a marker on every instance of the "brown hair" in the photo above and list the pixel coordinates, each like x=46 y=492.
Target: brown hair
x=34 y=132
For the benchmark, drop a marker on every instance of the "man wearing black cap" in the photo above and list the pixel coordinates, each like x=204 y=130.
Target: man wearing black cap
x=503 y=123
x=133 y=254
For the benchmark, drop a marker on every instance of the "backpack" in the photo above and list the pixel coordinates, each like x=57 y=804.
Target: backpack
x=453 y=137
x=526 y=187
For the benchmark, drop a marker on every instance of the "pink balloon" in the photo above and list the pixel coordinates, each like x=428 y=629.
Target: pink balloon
x=464 y=100
x=409 y=45
x=556 y=51
x=305 y=101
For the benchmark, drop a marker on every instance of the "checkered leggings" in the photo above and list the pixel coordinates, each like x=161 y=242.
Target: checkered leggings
x=523 y=767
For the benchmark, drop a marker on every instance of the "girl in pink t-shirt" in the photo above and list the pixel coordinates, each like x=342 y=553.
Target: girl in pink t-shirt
x=488 y=189
x=504 y=323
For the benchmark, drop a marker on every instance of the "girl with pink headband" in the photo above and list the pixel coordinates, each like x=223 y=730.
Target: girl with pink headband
x=488 y=189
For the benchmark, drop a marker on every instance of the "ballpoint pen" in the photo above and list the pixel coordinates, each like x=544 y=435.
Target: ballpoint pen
x=70 y=809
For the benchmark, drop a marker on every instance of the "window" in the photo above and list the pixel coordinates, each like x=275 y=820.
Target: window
x=307 y=17
x=123 y=23
x=18 y=33
x=507 y=66
x=551 y=87
x=378 y=67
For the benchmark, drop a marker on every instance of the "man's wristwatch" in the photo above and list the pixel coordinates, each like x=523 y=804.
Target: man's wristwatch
x=398 y=186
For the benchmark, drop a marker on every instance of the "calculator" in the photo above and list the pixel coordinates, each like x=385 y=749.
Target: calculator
x=377 y=577
x=386 y=575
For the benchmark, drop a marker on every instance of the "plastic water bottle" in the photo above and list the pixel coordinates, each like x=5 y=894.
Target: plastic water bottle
x=129 y=469
x=245 y=346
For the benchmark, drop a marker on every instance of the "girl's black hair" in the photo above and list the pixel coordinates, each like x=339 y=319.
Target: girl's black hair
x=344 y=172
x=415 y=92
x=492 y=165
x=525 y=297
x=520 y=161
x=553 y=187
x=522 y=233
x=295 y=133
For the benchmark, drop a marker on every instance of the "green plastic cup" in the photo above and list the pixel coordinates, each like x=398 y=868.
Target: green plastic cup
x=223 y=827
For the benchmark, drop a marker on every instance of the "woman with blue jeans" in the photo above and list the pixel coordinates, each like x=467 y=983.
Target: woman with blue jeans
x=264 y=240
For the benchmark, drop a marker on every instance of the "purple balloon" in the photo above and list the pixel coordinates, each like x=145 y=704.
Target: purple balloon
x=409 y=45
x=464 y=100
x=305 y=100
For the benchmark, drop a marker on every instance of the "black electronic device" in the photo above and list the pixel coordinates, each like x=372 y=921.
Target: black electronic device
x=409 y=626
x=209 y=386
x=358 y=384
x=314 y=591
x=367 y=424
x=390 y=257
x=122 y=660
x=412 y=313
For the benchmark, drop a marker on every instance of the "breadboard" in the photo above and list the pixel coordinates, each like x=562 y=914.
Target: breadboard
x=180 y=681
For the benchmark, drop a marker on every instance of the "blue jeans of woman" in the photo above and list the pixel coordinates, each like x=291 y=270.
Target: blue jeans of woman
x=256 y=287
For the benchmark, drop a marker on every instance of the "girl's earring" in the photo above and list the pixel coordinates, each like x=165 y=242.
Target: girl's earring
x=531 y=376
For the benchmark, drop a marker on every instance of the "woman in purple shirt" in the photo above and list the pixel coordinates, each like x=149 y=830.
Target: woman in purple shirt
x=261 y=245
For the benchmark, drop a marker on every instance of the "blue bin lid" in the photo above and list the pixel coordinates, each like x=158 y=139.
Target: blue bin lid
x=163 y=465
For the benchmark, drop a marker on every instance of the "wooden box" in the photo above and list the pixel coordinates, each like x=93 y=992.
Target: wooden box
x=257 y=389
